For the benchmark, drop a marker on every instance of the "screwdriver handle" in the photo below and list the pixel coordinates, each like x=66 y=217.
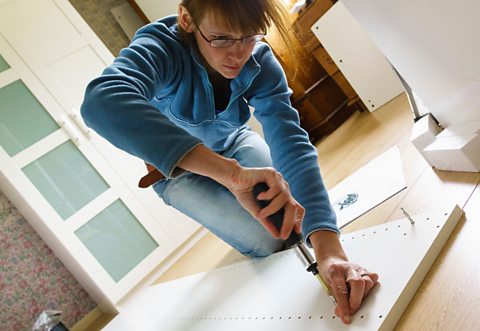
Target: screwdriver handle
x=277 y=218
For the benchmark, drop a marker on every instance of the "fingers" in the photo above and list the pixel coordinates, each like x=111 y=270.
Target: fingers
x=357 y=289
x=292 y=219
x=350 y=284
x=276 y=203
x=278 y=194
x=340 y=291
x=275 y=182
x=280 y=198
x=371 y=279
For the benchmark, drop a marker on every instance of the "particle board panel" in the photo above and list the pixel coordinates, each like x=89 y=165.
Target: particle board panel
x=275 y=293
x=375 y=182
x=357 y=57
x=128 y=20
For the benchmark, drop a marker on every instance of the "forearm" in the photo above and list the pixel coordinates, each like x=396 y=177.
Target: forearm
x=326 y=245
x=205 y=162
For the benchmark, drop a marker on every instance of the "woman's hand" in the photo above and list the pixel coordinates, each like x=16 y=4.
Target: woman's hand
x=241 y=185
x=350 y=283
x=240 y=181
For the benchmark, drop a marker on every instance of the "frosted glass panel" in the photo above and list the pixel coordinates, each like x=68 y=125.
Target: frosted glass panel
x=23 y=120
x=117 y=240
x=3 y=64
x=66 y=179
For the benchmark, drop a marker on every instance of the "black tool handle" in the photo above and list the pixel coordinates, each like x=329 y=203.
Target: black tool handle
x=277 y=218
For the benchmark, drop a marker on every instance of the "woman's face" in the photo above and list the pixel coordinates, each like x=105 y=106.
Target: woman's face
x=228 y=61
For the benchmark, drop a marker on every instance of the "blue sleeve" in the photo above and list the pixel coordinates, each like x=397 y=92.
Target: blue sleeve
x=117 y=104
x=292 y=153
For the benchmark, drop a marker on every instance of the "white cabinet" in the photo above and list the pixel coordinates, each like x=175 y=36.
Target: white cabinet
x=74 y=188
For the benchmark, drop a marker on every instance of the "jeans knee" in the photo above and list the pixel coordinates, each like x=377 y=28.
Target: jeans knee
x=264 y=248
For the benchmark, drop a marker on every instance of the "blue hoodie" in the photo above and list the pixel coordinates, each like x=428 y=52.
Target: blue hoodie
x=156 y=102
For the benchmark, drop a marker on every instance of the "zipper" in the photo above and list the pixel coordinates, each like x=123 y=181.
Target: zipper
x=233 y=97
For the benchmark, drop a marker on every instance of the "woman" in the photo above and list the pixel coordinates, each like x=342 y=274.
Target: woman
x=178 y=98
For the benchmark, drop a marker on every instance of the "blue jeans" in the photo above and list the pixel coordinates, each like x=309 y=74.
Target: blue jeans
x=213 y=206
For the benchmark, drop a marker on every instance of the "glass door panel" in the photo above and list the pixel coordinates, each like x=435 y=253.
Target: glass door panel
x=66 y=179
x=3 y=64
x=117 y=240
x=23 y=120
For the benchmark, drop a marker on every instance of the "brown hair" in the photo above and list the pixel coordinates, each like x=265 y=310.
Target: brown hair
x=245 y=16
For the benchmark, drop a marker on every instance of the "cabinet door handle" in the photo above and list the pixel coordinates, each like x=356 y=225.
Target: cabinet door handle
x=70 y=129
x=77 y=119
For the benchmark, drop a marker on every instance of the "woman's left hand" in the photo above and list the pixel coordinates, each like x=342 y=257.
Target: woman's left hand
x=349 y=282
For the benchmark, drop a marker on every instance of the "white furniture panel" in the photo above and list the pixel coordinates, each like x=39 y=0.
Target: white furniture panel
x=435 y=47
x=128 y=19
x=275 y=293
x=375 y=182
x=91 y=65
x=357 y=57
x=32 y=28
x=454 y=153
x=155 y=10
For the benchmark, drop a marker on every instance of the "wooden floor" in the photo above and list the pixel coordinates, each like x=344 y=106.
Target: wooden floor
x=449 y=297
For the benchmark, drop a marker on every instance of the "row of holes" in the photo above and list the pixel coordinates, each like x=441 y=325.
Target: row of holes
x=399 y=225
x=288 y=253
x=260 y=318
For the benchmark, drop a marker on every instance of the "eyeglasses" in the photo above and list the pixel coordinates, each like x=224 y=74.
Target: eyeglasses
x=224 y=42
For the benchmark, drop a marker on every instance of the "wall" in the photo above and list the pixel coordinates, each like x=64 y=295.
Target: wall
x=32 y=279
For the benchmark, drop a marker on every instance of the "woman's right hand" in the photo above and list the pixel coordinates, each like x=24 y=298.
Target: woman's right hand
x=241 y=185
x=240 y=181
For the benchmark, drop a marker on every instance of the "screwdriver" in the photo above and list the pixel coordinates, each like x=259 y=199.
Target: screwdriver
x=294 y=241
